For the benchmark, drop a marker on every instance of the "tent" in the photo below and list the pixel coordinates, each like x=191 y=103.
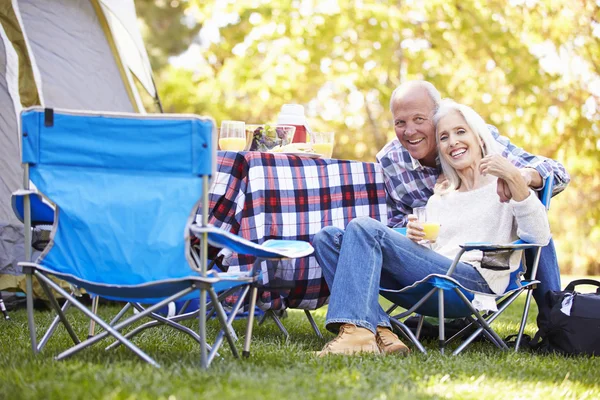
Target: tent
x=75 y=54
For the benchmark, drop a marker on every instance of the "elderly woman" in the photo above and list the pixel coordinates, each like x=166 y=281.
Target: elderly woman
x=368 y=254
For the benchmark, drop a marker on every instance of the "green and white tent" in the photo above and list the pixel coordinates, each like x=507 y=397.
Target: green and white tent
x=75 y=54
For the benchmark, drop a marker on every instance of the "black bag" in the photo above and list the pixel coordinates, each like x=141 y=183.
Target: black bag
x=574 y=325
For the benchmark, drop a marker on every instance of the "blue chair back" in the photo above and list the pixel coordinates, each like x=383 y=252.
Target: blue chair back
x=126 y=187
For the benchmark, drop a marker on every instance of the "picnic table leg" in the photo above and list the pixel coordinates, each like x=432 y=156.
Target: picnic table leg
x=313 y=324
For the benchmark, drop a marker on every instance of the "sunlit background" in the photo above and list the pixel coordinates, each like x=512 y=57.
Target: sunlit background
x=532 y=68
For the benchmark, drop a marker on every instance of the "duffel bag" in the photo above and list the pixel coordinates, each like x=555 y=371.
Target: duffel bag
x=574 y=326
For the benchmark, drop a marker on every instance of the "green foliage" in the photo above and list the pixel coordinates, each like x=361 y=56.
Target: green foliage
x=278 y=368
x=532 y=68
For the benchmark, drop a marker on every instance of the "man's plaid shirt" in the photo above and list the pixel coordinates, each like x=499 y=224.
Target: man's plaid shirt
x=409 y=184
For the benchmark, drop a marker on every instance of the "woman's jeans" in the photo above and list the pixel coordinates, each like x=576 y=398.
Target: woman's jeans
x=369 y=255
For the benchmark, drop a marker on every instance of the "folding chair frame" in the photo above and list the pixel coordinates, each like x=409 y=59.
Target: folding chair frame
x=481 y=321
x=203 y=284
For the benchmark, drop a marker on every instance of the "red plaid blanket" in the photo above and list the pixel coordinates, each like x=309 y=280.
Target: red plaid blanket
x=262 y=196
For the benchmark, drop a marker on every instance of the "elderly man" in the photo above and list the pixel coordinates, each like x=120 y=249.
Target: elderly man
x=411 y=170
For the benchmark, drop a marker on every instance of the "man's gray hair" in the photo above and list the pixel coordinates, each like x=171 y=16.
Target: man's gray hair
x=433 y=93
x=477 y=125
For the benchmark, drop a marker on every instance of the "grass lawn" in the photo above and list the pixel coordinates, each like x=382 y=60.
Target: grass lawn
x=279 y=369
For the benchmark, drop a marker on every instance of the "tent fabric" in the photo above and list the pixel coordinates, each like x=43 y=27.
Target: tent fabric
x=76 y=54
x=73 y=56
x=13 y=34
x=10 y=164
x=122 y=18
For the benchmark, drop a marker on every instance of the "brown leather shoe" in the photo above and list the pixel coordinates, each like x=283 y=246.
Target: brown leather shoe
x=351 y=340
x=389 y=343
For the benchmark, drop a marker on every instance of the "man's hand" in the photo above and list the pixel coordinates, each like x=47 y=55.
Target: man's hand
x=532 y=177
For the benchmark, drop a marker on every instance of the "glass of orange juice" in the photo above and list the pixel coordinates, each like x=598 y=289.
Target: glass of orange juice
x=232 y=136
x=431 y=228
x=322 y=143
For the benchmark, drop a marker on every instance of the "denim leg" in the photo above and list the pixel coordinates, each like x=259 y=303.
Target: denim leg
x=327 y=243
x=369 y=253
x=548 y=274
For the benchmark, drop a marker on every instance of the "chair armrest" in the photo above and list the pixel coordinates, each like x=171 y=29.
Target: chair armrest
x=401 y=231
x=487 y=246
x=271 y=249
x=27 y=264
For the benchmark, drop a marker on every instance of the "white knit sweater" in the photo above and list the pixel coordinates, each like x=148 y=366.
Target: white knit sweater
x=479 y=216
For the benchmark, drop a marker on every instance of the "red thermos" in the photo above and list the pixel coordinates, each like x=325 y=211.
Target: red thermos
x=293 y=114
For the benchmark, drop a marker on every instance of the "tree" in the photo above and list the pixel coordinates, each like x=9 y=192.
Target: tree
x=529 y=67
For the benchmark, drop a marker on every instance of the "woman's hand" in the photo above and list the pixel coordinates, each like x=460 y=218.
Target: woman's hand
x=414 y=229
x=511 y=183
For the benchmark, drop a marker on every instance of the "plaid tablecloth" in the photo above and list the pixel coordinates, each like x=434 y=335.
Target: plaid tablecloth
x=262 y=196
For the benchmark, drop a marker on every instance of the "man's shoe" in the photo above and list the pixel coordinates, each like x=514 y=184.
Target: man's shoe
x=351 y=340
x=389 y=343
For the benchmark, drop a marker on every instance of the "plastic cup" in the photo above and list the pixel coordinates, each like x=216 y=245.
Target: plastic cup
x=232 y=136
x=322 y=143
x=431 y=228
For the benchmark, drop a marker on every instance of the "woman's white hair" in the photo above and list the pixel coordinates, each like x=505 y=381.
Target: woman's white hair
x=477 y=125
x=433 y=93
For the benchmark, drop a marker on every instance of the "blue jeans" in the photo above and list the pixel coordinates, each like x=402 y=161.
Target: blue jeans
x=367 y=255
x=548 y=274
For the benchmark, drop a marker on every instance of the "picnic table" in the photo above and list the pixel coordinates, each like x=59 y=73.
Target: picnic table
x=262 y=196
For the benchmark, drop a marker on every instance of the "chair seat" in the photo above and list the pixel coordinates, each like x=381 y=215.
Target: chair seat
x=454 y=306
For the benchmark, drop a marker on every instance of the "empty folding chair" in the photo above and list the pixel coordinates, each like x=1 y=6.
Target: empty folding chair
x=126 y=189
x=444 y=297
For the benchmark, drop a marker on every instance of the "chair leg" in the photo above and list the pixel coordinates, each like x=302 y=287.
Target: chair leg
x=227 y=329
x=406 y=331
x=420 y=326
x=107 y=328
x=92 y=330
x=483 y=325
x=524 y=319
x=53 y=326
x=3 y=308
x=236 y=307
x=30 y=320
x=120 y=314
x=58 y=309
x=202 y=330
x=313 y=324
x=442 y=338
x=271 y=314
x=248 y=338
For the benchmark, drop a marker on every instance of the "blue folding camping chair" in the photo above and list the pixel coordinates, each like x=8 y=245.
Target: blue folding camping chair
x=443 y=297
x=126 y=189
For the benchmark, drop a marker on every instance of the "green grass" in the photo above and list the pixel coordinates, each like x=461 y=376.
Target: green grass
x=280 y=369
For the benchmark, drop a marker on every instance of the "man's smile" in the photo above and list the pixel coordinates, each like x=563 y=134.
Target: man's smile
x=416 y=141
